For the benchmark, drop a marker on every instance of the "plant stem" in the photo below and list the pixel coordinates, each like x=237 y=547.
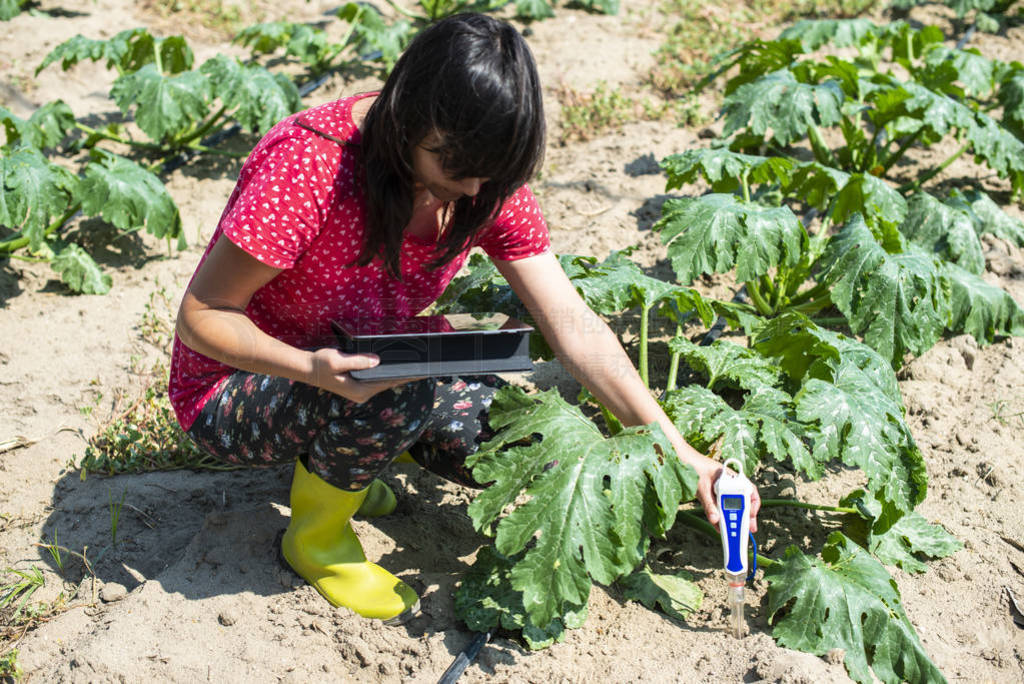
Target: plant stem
x=907 y=142
x=916 y=185
x=794 y=503
x=644 y=332
x=758 y=299
x=116 y=138
x=746 y=186
x=821 y=151
x=701 y=525
x=673 y=365
x=830 y=320
x=14 y=244
x=203 y=129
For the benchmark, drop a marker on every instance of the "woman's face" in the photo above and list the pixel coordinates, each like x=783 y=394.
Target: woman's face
x=429 y=173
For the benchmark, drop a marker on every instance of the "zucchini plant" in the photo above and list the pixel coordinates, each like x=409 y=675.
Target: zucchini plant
x=174 y=106
x=847 y=274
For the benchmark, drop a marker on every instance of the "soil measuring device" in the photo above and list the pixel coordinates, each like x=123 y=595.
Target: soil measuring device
x=732 y=494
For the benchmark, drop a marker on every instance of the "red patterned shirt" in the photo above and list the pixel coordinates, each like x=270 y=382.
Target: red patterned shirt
x=298 y=206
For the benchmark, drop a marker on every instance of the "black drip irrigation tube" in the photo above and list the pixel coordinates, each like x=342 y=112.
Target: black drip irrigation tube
x=466 y=657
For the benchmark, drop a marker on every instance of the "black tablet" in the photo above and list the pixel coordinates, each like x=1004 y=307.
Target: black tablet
x=431 y=346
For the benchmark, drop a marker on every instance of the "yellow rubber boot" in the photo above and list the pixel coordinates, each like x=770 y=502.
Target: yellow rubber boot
x=321 y=546
x=380 y=500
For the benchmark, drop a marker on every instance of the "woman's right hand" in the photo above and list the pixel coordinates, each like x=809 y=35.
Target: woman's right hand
x=331 y=368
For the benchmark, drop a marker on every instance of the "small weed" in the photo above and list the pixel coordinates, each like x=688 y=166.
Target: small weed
x=25 y=584
x=216 y=15
x=115 y=515
x=999 y=413
x=56 y=552
x=9 y=666
x=145 y=437
x=157 y=324
x=589 y=115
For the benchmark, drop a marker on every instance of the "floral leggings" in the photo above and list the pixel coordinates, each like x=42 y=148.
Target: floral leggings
x=265 y=420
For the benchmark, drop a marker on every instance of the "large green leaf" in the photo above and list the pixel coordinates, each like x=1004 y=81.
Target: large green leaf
x=79 y=271
x=717 y=232
x=677 y=594
x=814 y=33
x=128 y=196
x=805 y=350
x=848 y=418
x=903 y=542
x=590 y=500
x=1011 y=99
x=976 y=72
x=764 y=427
x=845 y=194
x=33 y=191
x=128 y=51
x=166 y=106
x=779 y=106
x=485 y=599
x=724 y=169
x=846 y=601
x=617 y=284
x=306 y=43
x=944 y=230
x=256 y=98
x=372 y=33
x=534 y=9
x=1000 y=149
x=898 y=302
x=988 y=217
x=11 y=8
x=981 y=309
x=730 y=363
x=46 y=127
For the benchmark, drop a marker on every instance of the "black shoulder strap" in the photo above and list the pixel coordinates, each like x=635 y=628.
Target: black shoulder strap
x=302 y=124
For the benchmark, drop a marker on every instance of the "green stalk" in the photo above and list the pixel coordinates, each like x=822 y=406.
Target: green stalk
x=773 y=293
x=118 y=139
x=644 y=331
x=794 y=503
x=13 y=244
x=821 y=151
x=746 y=186
x=826 y=321
x=203 y=129
x=156 y=57
x=673 y=365
x=916 y=185
x=763 y=307
x=813 y=306
x=701 y=525
x=907 y=142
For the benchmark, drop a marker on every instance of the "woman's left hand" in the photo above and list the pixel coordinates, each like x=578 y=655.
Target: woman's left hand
x=708 y=471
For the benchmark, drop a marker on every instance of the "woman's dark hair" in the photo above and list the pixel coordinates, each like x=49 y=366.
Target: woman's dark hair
x=471 y=79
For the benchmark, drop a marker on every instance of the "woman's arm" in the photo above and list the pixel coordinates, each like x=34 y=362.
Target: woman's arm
x=213 y=322
x=589 y=350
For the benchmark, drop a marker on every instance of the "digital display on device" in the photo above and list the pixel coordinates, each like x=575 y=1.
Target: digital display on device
x=732 y=503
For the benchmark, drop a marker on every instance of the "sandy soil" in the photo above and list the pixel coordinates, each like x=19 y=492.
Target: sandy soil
x=193 y=590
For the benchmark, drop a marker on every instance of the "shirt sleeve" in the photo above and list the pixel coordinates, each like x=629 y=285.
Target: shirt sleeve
x=519 y=231
x=277 y=210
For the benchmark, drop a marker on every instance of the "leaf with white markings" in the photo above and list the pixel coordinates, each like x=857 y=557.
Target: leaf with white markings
x=846 y=601
x=485 y=599
x=945 y=230
x=33 y=191
x=764 y=427
x=718 y=232
x=166 y=107
x=590 y=501
x=128 y=196
x=898 y=302
x=676 y=594
x=256 y=98
x=79 y=271
x=980 y=309
x=779 y=106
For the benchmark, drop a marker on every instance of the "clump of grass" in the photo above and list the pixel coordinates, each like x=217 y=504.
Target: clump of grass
x=587 y=115
x=23 y=585
x=144 y=437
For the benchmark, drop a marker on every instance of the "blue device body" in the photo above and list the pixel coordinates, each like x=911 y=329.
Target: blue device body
x=734 y=511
